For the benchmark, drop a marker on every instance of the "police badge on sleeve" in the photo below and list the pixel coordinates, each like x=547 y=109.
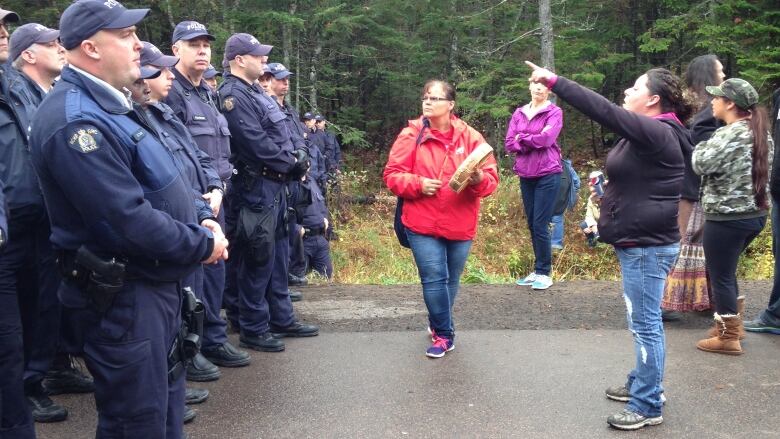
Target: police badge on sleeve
x=85 y=139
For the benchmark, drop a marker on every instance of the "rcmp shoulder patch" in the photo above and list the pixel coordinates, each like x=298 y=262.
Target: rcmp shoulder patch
x=84 y=138
x=228 y=103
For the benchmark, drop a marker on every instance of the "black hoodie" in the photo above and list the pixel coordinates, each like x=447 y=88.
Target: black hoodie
x=645 y=170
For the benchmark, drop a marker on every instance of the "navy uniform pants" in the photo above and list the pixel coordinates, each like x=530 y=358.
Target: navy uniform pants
x=211 y=295
x=260 y=290
x=317 y=250
x=28 y=269
x=126 y=351
x=15 y=419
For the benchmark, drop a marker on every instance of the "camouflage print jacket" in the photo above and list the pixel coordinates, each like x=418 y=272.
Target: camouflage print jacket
x=725 y=163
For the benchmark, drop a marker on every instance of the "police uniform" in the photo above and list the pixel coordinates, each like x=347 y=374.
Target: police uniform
x=263 y=154
x=115 y=194
x=195 y=106
x=316 y=245
x=15 y=418
x=28 y=266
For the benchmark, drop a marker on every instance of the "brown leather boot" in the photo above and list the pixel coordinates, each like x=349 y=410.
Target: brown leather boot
x=727 y=340
x=713 y=332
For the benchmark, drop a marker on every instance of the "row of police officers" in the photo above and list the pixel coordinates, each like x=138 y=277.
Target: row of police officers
x=121 y=198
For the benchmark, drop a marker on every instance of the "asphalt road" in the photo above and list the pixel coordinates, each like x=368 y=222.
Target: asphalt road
x=526 y=364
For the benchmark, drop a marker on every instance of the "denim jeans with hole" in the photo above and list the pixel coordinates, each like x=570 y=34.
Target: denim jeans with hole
x=538 y=201
x=440 y=263
x=644 y=271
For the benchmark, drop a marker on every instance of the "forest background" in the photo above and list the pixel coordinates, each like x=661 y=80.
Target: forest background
x=362 y=64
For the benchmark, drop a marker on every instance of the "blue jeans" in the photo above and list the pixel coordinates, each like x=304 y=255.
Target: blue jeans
x=440 y=263
x=644 y=271
x=771 y=315
x=538 y=202
x=557 y=230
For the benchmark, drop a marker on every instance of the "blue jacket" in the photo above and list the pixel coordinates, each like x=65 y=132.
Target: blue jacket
x=261 y=137
x=332 y=151
x=17 y=106
x=195 y=106
x=315 y=213
x=111 y=186
x=193 y=163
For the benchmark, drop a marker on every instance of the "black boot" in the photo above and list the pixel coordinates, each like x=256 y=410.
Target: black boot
x=42 y=407
x=195 y=396
x=297 y=329
x=226 y=355
x=189 y=414
x=264 y=342
x=200 y=369
x=295 y=296
x=65 y=377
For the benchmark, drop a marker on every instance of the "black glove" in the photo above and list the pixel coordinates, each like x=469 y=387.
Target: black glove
x=301 y=165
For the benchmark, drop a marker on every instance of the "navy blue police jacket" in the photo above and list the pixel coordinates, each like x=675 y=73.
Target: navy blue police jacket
x=315 y=213
x=193 y=163
x=22 y=191
x=196 y=107
x=318 y=171
x=260 y=136
x=332 y=150
x=297 y=129
x=111 y=186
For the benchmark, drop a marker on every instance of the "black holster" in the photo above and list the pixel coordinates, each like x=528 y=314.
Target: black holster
x=187 y=342
x=100 y=278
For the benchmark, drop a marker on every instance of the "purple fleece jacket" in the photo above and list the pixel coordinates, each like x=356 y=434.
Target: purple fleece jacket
x=534 y=141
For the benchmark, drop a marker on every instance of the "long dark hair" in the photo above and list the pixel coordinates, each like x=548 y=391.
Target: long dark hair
x=758 y=122
x=701 y=72
x=669 y=88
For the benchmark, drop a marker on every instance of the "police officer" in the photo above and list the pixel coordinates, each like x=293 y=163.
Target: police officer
x=210 y=76
x=122 y=222
x=37 y=59
x=15 y=418
x=314 y=222
x=332 y=146
x=192 y=100
x=265 y=160
x=300 y=195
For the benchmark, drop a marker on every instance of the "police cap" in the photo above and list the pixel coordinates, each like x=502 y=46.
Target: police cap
x=152 y=56
x=189 y=30
x=27 y=35
x=85 y=18
x=245 y=44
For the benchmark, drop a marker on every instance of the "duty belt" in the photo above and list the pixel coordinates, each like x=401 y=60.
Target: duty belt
x=313 y=231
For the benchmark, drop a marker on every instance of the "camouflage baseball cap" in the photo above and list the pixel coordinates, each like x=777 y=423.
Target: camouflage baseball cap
x=737 y=90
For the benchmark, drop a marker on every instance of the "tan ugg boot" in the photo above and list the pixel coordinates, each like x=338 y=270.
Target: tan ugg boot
x=713 y=332
x=727 y=340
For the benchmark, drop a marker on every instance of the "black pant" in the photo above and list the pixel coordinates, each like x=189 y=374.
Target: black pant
x=723 y=242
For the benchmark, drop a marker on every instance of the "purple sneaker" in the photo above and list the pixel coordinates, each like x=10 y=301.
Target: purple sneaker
x=440 y=346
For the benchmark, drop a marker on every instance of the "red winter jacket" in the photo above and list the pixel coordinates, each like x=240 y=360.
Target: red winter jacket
x=446 y=214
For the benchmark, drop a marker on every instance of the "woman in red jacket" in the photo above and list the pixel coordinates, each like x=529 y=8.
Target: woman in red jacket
x=440 y=223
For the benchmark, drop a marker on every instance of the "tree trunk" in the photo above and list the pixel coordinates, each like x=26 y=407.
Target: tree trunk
x=287 y=36
x=315 y=59
x=548 y=46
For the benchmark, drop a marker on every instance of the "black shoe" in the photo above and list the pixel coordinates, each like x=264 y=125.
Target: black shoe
x=295 y=296
x=297 y=329
x=296 y=280
x=265 y=342
x=67 y=379
x=200 y=369
x=189 y=414
x=226 y=355
x=670 y=316
x=42 y=407
x=195 y=396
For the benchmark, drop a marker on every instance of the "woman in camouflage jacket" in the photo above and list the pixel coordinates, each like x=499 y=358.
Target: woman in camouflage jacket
x=734 y=165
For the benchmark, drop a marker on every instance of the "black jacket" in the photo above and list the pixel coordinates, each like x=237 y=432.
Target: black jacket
x=774 y=185
x=645 y=170
x=703 y=125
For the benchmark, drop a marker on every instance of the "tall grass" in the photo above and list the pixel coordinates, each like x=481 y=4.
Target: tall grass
x=367 y=251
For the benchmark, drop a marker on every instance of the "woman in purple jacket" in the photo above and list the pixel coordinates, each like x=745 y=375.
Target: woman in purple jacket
x=639 y=217
x=531 y=136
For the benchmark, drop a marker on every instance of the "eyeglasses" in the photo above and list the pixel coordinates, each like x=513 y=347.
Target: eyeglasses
x=433 y=99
